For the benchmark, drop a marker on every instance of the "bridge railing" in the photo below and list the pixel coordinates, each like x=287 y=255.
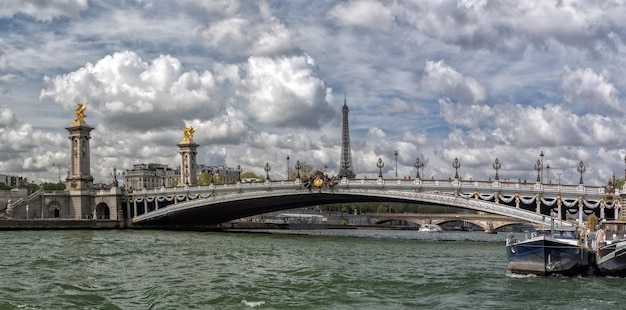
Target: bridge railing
x=465 y=185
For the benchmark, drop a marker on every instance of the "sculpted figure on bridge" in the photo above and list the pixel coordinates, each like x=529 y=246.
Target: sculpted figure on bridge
x=79 y=113
x=320 y=181
x=188 y=134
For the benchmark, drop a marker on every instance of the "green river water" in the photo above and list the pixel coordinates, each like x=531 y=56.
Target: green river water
x=325 y=269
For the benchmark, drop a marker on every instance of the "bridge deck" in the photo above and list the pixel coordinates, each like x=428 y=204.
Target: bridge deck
x=214 y=204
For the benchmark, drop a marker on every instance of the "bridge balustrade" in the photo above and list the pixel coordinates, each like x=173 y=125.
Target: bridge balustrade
x=425 y=185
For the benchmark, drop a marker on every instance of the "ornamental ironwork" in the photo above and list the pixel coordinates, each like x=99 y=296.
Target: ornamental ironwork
x=320 y=181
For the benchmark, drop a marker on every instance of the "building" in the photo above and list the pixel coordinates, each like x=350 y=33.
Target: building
x=13 y=181
x=151 y=176
x=219 y=174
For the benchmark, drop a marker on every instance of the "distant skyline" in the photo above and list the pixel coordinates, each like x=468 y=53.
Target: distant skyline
x=469 y=79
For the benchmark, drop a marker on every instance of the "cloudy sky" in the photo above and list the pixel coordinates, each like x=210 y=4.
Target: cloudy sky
x=436 y=80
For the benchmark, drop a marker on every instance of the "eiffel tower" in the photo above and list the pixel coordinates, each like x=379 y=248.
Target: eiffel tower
x=346 y=155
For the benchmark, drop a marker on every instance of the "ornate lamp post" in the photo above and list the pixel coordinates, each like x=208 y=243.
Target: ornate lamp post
x=456 y=164
x=395 y=155
x=298 y=169
x=238 y=173
x=418 y=164
x=538 y=168
x=267 y=171
x=496 y=165
x=59 y=167
x=581 y=169
x=548 y=173
x=287 y=167
x=541 y=158
x=380 y=164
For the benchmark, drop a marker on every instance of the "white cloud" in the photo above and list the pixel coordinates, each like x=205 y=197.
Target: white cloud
x=462 y=115
x=444 y=80
x=285 y=91
x=593 y=90
x=25 y=148
x=121 y=87
x=512 y=26
x=213 y=7
x=369 y=14
x=245 y=37
x=243 y=73
x=43 y=10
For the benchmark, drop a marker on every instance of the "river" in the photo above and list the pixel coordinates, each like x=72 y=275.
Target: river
x=324 y=269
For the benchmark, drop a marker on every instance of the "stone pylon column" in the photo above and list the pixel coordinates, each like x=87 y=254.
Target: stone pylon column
x=79 y=181
x=188 y=150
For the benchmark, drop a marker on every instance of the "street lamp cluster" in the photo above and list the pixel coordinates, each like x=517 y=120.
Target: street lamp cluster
x=497 y=165
x=456 y=164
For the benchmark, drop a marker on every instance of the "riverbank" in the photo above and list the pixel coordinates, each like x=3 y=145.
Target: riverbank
x=60 y=224
x=69 y=224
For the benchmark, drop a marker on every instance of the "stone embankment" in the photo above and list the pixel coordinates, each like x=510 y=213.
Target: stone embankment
x=51 y=224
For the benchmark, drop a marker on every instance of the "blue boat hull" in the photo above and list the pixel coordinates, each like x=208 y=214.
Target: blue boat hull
x=547 y=256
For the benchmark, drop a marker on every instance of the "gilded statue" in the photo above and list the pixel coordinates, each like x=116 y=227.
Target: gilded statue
x=79 y=114
x=188 y=134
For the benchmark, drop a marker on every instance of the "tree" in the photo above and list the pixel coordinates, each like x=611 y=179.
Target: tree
x=592 y=221
x=618 y=182
x=53 y=186
x=205 y=178
x=32 y=187
x=4 y=187
x=251 y=175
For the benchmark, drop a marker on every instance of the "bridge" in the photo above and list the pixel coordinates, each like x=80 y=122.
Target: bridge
x=488 y=222
x=538 y=204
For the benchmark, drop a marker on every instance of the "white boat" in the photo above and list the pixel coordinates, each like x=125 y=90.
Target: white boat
x=430 y=228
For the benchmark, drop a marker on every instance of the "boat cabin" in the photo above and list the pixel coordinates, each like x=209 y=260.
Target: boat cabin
x=559 y=233
x=614 y=230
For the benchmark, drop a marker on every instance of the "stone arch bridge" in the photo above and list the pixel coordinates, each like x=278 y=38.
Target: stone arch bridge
x=487 y=222
x=537 y=204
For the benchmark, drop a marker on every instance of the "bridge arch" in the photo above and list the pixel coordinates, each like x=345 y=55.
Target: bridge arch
x=103 y=211
x=54 y=209
x=220 y=208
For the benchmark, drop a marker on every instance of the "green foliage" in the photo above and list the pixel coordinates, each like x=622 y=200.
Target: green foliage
x=251 y=175
x=4 y=187
x=53 y=186
x=205 y=178
x=618 y=182
x=592 y=221
x=32 y=187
